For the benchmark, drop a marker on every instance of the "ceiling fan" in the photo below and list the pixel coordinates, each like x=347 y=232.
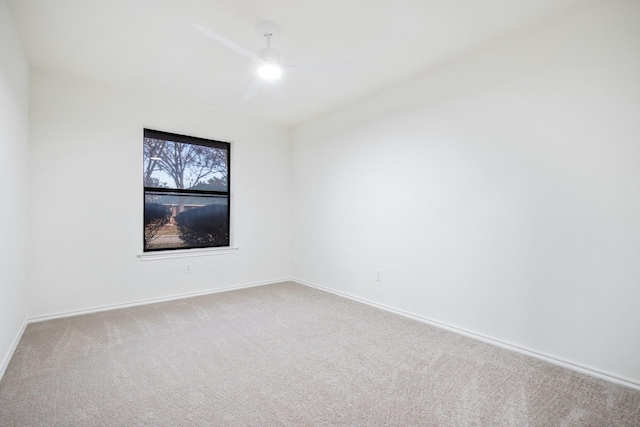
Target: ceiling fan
x=268 y=58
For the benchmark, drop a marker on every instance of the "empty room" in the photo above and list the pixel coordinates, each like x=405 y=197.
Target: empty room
x=300 y=213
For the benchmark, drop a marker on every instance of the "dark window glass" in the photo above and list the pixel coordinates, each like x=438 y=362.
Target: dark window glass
x=186 y=192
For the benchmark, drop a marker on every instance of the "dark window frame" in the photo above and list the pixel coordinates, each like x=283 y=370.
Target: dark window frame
x=193 y=140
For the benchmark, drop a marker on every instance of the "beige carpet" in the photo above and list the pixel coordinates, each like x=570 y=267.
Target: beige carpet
x=287 y=355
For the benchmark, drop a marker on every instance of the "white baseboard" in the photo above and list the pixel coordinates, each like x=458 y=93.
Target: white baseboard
x=149 y=301
x=12 y=349
x=489 y=340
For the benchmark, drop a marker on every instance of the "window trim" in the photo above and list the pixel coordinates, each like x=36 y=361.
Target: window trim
x=163 y=253
x=187 y=253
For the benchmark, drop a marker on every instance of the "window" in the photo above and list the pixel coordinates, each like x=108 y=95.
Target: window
x=186 y=192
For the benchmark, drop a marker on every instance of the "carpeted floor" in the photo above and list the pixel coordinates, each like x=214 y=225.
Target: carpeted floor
x=287 y=355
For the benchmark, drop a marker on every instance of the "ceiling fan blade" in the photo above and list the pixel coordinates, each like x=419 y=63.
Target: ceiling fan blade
x=226 y=42
x=319 y=66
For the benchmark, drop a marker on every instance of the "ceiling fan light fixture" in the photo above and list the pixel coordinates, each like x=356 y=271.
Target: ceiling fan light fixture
x=270 y=71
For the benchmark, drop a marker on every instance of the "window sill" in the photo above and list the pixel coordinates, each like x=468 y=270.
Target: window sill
x=186 y=253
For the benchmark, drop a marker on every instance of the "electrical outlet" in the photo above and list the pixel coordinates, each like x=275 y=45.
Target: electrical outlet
x=187 y=269
x=379 y=276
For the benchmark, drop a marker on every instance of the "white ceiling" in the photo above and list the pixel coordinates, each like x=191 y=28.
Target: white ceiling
x=345 y=48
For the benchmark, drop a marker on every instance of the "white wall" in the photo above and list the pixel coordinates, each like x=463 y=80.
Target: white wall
x=498 y=194
x=86 y=197
x=14 y=98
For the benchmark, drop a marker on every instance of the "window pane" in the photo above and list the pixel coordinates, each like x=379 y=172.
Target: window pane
x=177 y=165
x=174 y=221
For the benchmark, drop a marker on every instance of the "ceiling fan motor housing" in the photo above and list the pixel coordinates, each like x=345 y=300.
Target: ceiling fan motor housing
x=269 y=55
